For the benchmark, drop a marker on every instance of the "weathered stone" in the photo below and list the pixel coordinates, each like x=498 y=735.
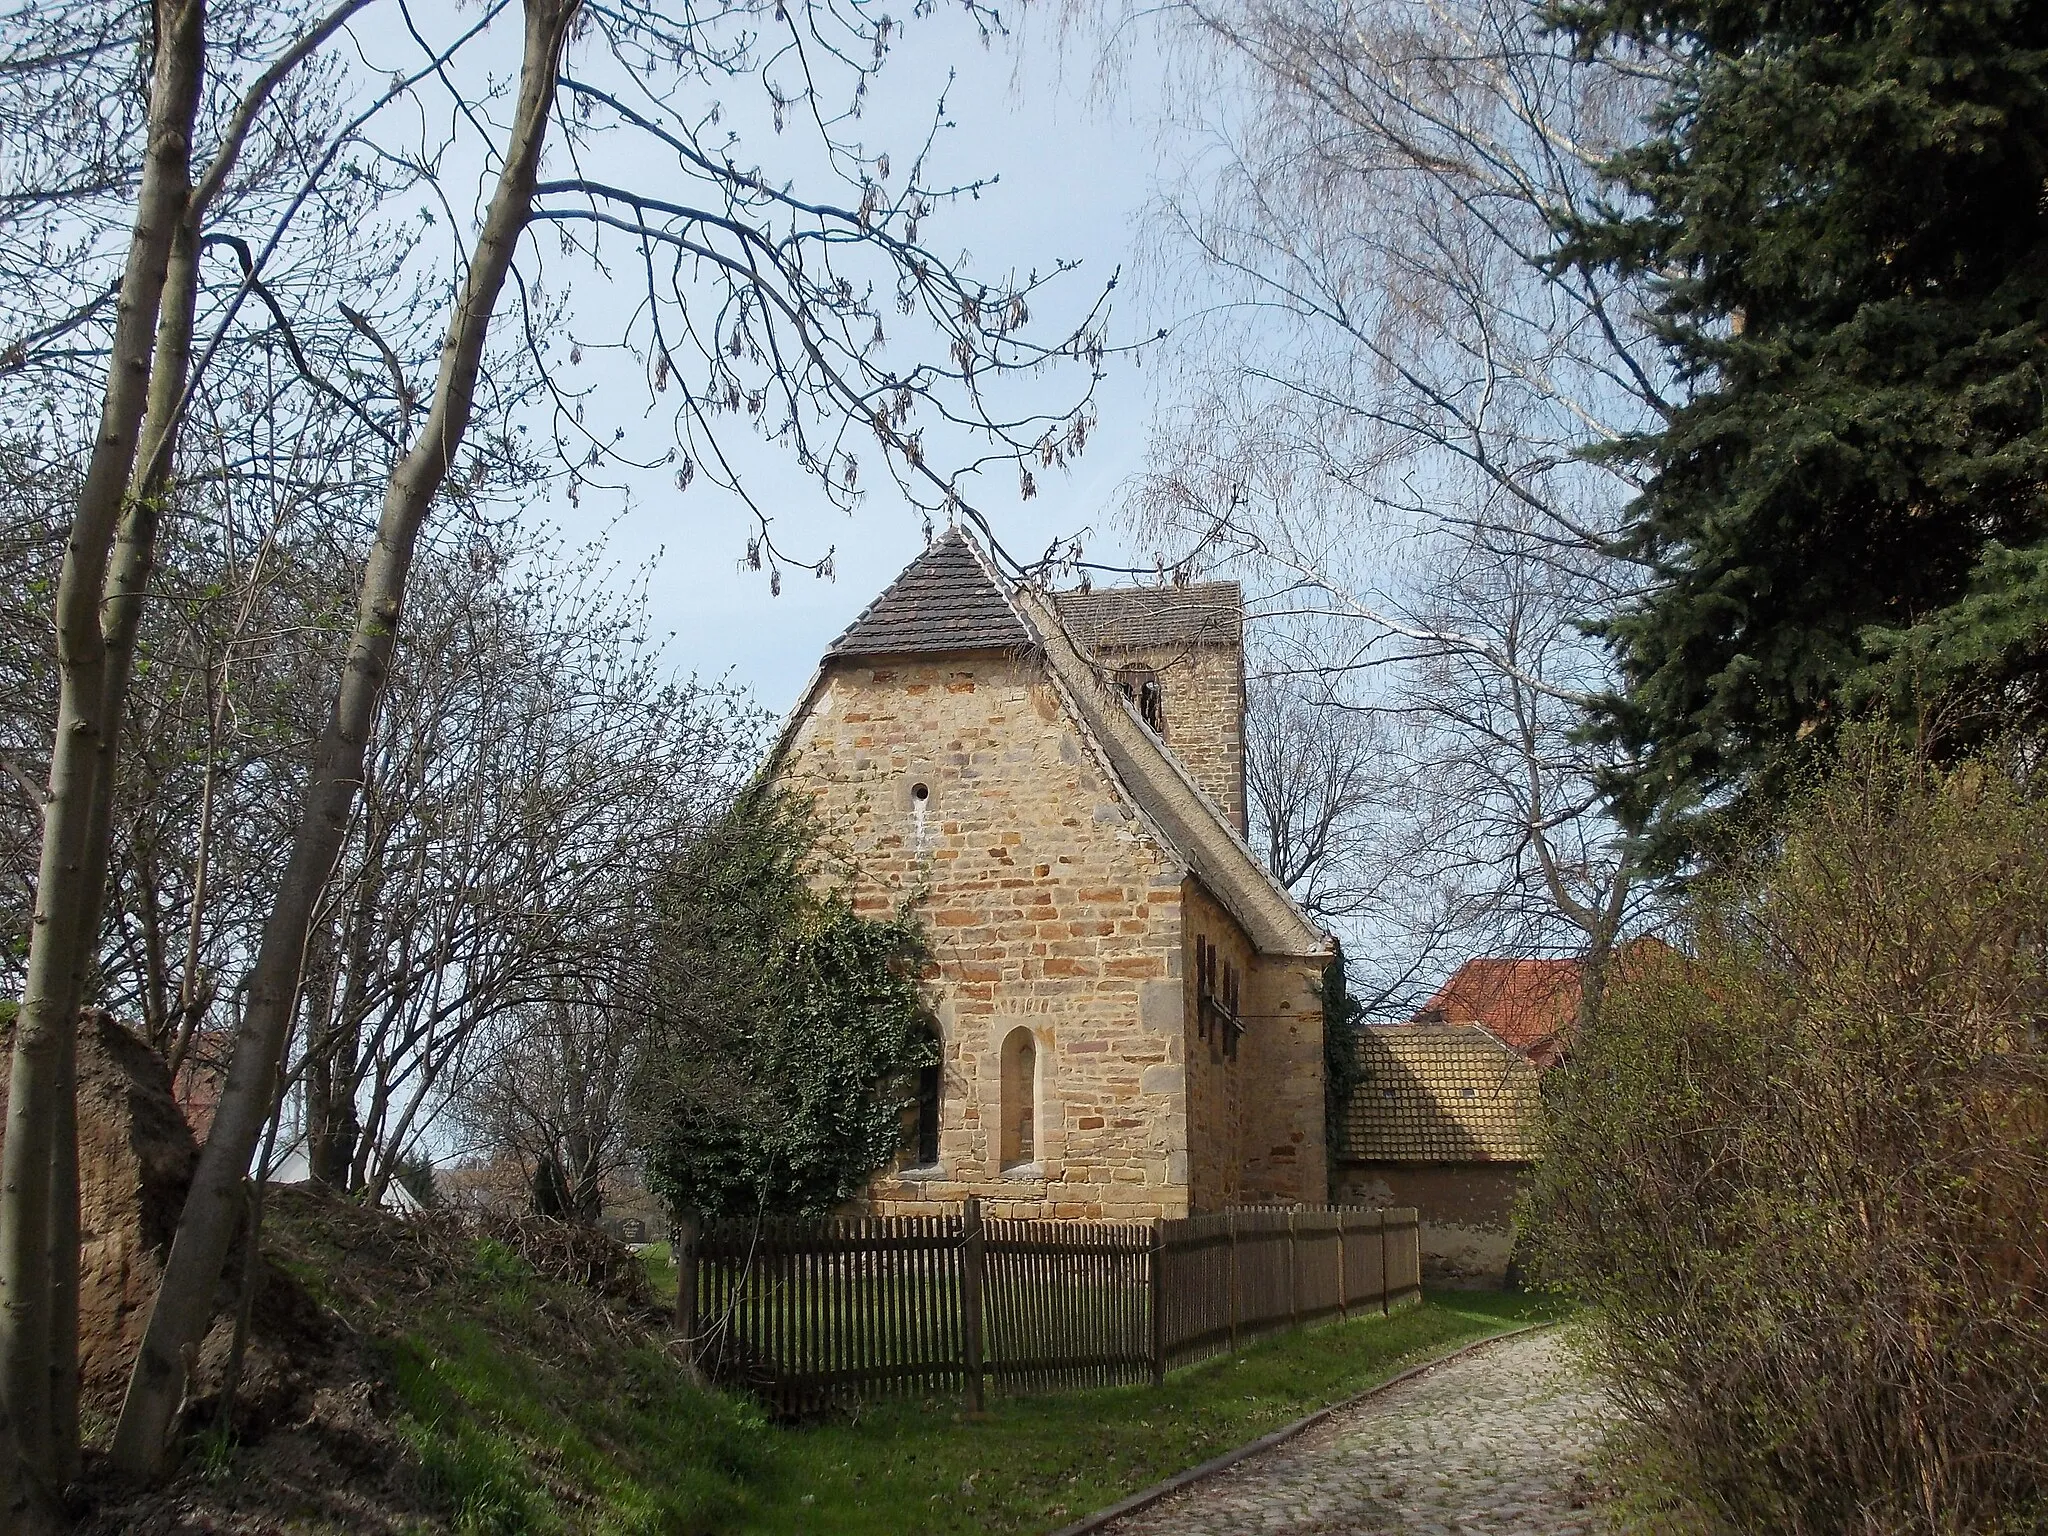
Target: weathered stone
x=1191 y=641
x=1056 y=910
x=135 y=1160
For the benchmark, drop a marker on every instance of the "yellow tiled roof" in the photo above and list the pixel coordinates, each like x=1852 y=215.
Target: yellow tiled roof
x=1440 y=1093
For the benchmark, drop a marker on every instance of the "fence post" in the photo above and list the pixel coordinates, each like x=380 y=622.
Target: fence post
x=1231 y=1227
x=971 y=1261
x=684 y=1232
x=1343 y=1274
x=1386 y=1275
x=1293 y=1272
x=1158 y=1286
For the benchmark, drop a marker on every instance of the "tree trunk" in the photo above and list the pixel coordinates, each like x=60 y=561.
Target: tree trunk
x=65 y=922
x=322 y=1029
x=343 y=1128
x=195 y=992
x=134 y=561
x=585 y=1184
x=184 y=1300
x=1598 y=961
x=63 y=1352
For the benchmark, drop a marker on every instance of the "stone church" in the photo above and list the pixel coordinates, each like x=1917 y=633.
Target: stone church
x=1126 y=1001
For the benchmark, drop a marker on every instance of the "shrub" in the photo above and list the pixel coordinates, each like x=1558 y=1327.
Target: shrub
x=1799 y=1168
x=791 y=1025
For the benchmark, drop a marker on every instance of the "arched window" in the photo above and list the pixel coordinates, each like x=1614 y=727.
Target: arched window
x=1020 y=1099
x=1140 y=684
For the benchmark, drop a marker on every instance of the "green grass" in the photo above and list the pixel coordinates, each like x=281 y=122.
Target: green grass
x=529 y=1415
x=1037 y=1462
x=660 y=1262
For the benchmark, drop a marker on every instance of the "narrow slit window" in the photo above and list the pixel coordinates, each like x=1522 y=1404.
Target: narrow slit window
x=922 y=1104
x=1020 y=1096
x=927 y=1151
x=1216 y=1008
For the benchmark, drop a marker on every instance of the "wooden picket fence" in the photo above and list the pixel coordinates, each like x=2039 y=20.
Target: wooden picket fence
x=812 y=1314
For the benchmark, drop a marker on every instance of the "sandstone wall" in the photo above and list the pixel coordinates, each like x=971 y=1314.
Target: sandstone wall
x=1049 y=910
x=1467 y=1213
x=1202 y=701
x=1217 y=1085
x=135 y=1162
x=1285 y=1143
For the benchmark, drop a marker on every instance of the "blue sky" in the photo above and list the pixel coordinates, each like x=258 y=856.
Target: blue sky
x=1076 y=172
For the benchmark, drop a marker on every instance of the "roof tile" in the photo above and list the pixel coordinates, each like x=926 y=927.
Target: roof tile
x=1529 y=1003
x=945 y=600
x=1525 y=1002
x=1440 y=1093
x=1118 y=618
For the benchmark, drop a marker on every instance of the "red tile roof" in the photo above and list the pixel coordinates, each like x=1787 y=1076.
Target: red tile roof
x=1524 y=1002
x=1527 y=1003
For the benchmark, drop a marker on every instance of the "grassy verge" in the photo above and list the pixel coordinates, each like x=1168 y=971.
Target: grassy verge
x=517 y=1433
x=1038 y=1462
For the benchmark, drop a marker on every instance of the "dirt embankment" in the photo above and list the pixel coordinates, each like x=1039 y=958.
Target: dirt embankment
x=316 y=1437
x=318 y=1430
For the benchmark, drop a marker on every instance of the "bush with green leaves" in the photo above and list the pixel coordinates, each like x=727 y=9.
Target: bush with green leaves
x=789 y=1025
x=1798 y=1168
x=1343 y=1067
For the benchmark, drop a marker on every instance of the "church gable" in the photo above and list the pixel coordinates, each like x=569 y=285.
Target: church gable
x=962 y=750
x=1054 y=919
x=1188 y=796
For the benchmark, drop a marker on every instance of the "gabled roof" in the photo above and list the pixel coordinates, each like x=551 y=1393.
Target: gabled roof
x=1524 y=1002
x=951 y=599
x=1440 y=1093
x=1185 y=820
x=1206 y=613
x=947 y=599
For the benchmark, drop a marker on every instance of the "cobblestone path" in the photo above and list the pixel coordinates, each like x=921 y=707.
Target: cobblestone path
x=1489 y=1445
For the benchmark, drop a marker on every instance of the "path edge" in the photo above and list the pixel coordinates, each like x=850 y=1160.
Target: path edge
x=1146 y=1497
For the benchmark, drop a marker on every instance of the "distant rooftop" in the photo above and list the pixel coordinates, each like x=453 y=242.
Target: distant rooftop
x=1440 y=1093
x=1524 y=1002
x=1531 y=1004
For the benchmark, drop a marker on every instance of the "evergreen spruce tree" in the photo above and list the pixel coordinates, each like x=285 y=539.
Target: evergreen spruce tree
x=1843 y=211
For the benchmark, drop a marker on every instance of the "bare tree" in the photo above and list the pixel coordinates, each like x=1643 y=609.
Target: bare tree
x=108 y=557
x=1386 y=424
x=533 y=769
x=763 y=314
x=213 y=1207
x=1314 y=791
x=553 y=1095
